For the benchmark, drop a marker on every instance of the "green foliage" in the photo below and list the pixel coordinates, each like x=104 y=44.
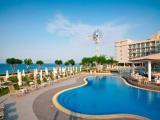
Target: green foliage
x=111 y=61
x=87 y=61
x=58 y=62
x=99 y=59
x=13 y=79
x=71 y=62
x=31 y=76
x=44 y=79
x=13 y=62
x=26 y=80
x=39 y=62
x=92 y=61
x=1 y=79
x=66 y=63
x=16 y=86
x=38 y=81
x=4 y=91
x=28 y=62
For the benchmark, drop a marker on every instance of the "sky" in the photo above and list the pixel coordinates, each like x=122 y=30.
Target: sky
x=62 y=29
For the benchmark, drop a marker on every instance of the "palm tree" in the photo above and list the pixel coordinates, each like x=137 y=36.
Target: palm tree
x=28 y=62
x=39 y=63
x=58 y=62
x=13 y=62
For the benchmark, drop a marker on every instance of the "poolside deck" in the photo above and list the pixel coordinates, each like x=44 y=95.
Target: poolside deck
x=38 y=105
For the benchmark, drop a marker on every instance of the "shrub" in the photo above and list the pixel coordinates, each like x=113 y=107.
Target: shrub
x=25 y=78
x=13 y=79
x=31 y=76
x=16 y=86
x=38 y=81
x=4 y=91
x=1 y=79
x=44 y=79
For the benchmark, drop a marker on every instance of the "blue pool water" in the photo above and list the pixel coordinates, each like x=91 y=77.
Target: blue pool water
x=110 y=95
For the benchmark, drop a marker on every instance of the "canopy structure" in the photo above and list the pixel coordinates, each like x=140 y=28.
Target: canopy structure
x=149 y=59
x=153 y=57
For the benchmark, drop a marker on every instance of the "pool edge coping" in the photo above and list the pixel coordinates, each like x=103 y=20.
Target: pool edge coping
x=88 y=116
x=134 y=86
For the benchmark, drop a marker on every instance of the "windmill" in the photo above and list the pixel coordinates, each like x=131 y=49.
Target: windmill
x=97 y=37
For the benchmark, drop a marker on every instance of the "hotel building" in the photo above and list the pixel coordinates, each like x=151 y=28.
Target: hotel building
x=127 y=50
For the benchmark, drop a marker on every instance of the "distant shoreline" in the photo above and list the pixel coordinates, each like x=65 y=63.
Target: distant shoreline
x=4 y=67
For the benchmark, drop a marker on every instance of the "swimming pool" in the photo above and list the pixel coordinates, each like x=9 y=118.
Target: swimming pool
x=106 y=95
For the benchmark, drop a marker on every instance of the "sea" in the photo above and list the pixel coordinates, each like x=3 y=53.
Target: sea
x=21 y=67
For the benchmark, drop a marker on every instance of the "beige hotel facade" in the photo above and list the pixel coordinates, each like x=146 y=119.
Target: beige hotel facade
x=127 y=50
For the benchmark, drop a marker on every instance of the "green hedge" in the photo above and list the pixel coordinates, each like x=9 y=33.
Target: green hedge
x=38 y=81
x=13 y=79
x=16 y=86
x=4 y=91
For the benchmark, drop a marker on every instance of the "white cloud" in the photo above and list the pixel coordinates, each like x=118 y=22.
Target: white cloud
x=77 y=33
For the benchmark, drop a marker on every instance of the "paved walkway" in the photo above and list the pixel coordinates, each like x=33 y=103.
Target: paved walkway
x=48 y=111
x=38 y=105
x=20 y=108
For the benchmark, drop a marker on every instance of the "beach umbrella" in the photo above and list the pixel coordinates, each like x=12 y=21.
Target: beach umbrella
x=7 y=75
x=71 y=71
x=68 y=68
x=65 y=68
x=46 y=71
x=36 y=71
x=41 y=76
x=80 y=68
x=35 y=74
x=23 y=73
x=73 y=68
x=76 y=69
x=61 y=70
x=19 y=76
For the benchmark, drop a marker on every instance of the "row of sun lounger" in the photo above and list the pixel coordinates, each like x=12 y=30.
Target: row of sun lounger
x=34 y=87
x=141 y=79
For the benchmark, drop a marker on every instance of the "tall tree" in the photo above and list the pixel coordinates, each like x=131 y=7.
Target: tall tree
x=71 y=62
x=58 y=62
x=39 y=63
x=111 y=61
x=66 y=63
x=13 y=62
x=28 y=62
x=86 y=61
